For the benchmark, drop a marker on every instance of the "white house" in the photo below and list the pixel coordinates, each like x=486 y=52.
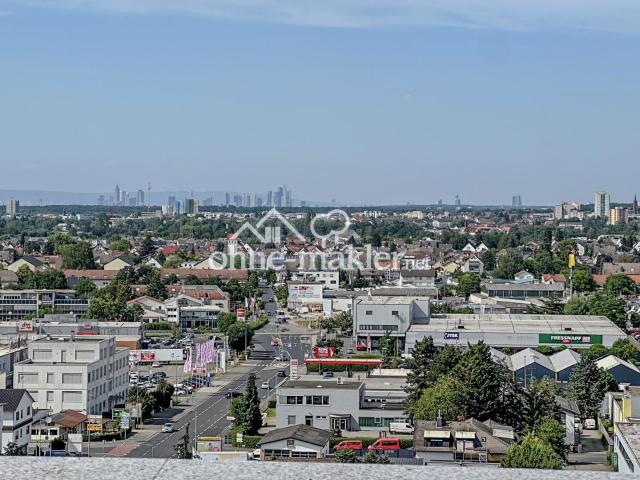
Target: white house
x=16 y=407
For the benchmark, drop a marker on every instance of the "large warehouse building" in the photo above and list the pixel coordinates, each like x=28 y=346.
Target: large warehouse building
x=516 y=331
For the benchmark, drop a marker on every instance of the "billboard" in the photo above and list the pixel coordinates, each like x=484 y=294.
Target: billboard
x=563 y=339
x=209 y=444
x=157 y=355
x=25 y=326
x=305 y=291
x=94 y=423
x=293 y=368
x=324 y=352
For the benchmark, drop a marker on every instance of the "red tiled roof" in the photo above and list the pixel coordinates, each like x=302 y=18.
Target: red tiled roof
x=204 y=273
x=92 y=274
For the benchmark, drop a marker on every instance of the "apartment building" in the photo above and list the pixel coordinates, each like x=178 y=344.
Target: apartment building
x=19 y=304
x=601 y=204
x=84 y=373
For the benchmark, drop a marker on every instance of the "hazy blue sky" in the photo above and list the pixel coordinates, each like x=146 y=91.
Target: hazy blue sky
x=379 y=101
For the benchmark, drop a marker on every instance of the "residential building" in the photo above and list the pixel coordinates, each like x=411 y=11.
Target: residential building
x=601 y=207
x=17 y=415
x=473 y=265
x=296 y=441
x=10 y=354
x=11 y=207
x=18 y=304
x=67 y=425
x=618 y=216
x=468 y=440
x=84 y=373
x=418 y=278
x=190 y=206
x=31 y=262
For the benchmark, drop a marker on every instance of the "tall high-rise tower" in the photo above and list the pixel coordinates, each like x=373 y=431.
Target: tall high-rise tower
x=601 y=207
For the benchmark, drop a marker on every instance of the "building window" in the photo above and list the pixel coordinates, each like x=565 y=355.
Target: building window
x=73 y=378
x=291 y=420
x=394 y=312
x=51 y=378
x=368 y=312
x=49 y=396
x=317 y=400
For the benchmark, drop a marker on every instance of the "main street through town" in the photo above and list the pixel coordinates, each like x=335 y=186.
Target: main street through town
x=206 y=411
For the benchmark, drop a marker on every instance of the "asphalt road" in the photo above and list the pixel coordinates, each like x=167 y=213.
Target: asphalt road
x=207 y=417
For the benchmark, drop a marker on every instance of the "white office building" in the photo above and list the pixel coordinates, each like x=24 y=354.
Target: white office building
x=84 y=373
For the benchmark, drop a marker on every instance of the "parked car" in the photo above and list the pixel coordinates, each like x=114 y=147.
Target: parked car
x=265 y=385
x=168 y=428
x=400 y=427
x=232 y=394
x=327 y=375
x=282 y=373
x=404 y=366
x=255 y=455
x=590 y=424
x=179 y=391
x=155 y=365
x=350 y=445
x=385 y=445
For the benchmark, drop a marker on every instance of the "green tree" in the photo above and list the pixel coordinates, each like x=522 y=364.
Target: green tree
x=253 y=416
x=85 y=288
x=532 y=452
x=371 y=457
x=236 y=336
x=387 y=349
x=76 y=255
x=509 y=262
x=442 y=398
x=183 y=447
x=418 y=377
x=121 y=245
x=625 y=350
x=540 y=402
x=163 y=394
x=147 y=247
x=587 y=386
x=481 y=382
x=155 y=287
x=489 y=260
x=347 y=456
x=142 y=396
x=553 y=432
x=619 y=284
x=583 y=281
x=282 y=294
x=601 y=304
x=468 y=283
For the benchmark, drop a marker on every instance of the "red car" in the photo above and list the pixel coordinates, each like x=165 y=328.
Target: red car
x=350 y=445
x=361 y=347
x=385 y=445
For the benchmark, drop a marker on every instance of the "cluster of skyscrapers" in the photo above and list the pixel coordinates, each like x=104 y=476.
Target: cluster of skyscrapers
x=280 y=198
x=122 y=198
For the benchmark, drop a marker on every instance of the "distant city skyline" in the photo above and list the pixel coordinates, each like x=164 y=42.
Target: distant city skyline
x=401 y=102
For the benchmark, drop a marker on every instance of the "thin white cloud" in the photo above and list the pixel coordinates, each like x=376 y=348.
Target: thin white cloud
x=609 y=15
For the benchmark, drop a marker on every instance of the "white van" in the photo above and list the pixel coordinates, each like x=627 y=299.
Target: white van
x=400 y=427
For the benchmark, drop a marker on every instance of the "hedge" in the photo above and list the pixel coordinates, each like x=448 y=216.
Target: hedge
x=366 y=441
x=157 y=326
